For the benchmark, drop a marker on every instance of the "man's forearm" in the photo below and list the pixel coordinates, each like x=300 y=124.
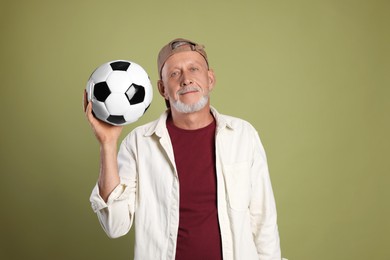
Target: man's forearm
x=109 y=177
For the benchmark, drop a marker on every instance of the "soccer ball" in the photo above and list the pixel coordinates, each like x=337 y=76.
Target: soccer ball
x=120 y=92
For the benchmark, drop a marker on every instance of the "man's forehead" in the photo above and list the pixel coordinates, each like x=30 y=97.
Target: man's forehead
x=185 y=57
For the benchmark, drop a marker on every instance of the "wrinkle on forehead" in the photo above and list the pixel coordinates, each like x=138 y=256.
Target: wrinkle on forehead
x=180 y=59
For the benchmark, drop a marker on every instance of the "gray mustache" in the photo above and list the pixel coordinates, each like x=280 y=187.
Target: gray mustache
x=188 y=89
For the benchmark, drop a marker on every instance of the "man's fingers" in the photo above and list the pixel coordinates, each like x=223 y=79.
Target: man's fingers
x=88 y=107
x=88 y=111
x=85 y=100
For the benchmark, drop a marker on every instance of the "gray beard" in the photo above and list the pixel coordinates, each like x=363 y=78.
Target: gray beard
x=184 y=108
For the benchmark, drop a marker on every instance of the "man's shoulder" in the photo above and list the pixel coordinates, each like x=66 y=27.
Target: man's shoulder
x=145 y=128
x=233 y=122
x=150 y=128
x=233 y=119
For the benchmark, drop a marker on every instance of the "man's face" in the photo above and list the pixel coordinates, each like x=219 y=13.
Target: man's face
x=186 y=81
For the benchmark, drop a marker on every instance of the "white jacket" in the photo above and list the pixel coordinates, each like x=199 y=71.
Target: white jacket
x=149 y=193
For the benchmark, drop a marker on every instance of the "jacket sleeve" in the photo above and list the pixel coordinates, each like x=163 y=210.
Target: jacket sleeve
x=116 y=215
x=262 y=207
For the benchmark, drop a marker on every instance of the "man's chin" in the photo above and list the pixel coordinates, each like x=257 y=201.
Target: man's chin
x=190 y=108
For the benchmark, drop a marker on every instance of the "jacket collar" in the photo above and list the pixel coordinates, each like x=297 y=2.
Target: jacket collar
x=159 y=126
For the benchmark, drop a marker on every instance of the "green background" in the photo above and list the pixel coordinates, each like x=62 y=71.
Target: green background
x=311 y=76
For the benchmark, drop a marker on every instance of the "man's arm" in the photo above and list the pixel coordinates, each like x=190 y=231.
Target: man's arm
x=107 y=136
x=108 y=177
x=110 y=199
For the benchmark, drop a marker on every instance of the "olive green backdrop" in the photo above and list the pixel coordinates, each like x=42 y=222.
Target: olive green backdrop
x=311 y=76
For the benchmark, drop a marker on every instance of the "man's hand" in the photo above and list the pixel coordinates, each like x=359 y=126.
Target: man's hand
x=105 y=133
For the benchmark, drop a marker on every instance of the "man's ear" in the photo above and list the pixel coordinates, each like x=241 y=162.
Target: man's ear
x=211 y=76
x=161 y=88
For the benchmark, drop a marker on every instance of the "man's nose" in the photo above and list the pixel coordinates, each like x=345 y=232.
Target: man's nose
x=185 y=80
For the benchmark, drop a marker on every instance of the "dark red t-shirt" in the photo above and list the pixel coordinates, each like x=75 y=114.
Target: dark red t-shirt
x=199 y=235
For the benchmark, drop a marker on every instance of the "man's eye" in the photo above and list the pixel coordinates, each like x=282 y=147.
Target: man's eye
x=174 y=74
x=194 y=69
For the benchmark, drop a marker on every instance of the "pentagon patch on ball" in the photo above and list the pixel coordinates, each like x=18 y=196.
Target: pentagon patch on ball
x=120 y=92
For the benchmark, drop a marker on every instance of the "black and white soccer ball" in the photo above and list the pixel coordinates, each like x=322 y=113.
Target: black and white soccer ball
x=120 y=92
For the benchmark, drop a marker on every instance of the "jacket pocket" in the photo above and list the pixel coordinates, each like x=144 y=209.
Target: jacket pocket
x=238 y=186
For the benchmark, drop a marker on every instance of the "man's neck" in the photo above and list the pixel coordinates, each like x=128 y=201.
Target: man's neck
x=192 y=121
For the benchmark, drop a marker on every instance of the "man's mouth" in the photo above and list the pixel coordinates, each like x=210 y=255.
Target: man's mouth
x=188 y=90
